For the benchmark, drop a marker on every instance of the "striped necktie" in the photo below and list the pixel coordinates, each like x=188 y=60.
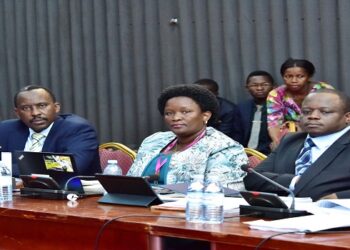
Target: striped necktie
x=36 y=142
x=304 y=158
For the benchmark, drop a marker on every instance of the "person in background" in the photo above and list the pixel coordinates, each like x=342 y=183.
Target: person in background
x=253 y=111
x=284 y=102
x=40 y=127
x=190 y=147
x=229 y=119
x=313 y=163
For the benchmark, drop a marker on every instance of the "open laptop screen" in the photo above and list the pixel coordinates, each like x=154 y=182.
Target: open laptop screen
x=54 y=162
x=60 y=166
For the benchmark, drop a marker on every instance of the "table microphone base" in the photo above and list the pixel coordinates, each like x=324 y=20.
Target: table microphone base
x=270 y=212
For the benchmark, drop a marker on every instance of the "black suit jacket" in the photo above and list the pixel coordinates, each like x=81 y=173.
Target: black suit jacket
x=229 y=120
x=247 y=110
x=330 y=173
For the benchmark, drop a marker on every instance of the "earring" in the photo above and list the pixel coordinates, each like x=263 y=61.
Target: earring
x=205 y=122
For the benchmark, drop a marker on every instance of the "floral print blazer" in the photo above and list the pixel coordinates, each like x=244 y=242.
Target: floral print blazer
x=214 y=154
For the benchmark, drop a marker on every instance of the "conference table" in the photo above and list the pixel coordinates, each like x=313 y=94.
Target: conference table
x=27 y=223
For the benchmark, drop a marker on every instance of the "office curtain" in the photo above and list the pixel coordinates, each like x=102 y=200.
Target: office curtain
x=108 y=60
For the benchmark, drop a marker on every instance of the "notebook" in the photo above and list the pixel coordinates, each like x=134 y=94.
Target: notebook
x=60 y=167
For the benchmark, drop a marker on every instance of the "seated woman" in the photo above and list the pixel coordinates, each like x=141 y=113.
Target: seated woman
x=190 y=148
x=283 y=103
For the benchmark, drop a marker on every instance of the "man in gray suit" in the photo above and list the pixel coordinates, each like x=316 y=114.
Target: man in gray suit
x=313 y=163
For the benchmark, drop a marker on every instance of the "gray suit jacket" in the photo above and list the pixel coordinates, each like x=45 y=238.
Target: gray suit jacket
x=329 y=174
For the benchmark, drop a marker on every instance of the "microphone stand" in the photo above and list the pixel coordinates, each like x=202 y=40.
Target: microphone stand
x=270 y=212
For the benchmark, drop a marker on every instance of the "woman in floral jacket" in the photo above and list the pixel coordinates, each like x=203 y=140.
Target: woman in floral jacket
x=190 y=148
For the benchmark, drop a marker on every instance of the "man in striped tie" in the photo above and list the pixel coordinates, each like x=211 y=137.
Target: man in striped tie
x=40 y=127
x=313 y=163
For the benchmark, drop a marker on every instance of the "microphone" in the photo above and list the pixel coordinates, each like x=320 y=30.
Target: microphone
x=271 y=212
x=248 y=169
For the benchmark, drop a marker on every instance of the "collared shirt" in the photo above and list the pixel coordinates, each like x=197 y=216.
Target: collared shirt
x=42 y=141
x=322 y=143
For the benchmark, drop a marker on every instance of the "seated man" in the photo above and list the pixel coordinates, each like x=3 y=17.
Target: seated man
x=229 y=117
x=254 y=113
x=313 y=163
x=41 y=128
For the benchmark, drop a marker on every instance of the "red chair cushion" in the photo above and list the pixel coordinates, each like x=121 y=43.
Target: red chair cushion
x=124 y=160
x=253 y=161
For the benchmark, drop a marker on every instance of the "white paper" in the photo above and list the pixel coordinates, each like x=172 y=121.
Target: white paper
x=93 y=186
x=309 y=223
x=334 y=203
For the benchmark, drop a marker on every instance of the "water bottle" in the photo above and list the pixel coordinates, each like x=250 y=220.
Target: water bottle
x=194 y=200
x=113 y=168
x=5 y=183
x=213 y=201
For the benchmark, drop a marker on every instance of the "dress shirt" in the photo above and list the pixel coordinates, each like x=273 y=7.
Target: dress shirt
x=322 y=143
x=44 y=132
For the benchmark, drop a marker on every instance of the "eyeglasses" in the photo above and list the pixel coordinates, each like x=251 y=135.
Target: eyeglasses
x=256 y=85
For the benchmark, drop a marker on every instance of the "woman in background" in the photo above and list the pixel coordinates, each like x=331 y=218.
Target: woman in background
x=284 y=102
x=190 y=147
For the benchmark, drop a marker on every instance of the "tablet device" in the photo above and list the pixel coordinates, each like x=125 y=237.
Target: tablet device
x=262 y=199
x=127 y=190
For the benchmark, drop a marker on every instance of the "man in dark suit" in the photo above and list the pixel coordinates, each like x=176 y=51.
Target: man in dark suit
x=326 y=141
x=37 y=110
x=254 y=113
x=229 y=118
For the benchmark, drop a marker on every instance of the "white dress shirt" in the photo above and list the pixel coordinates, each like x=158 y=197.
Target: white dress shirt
x=44 y=132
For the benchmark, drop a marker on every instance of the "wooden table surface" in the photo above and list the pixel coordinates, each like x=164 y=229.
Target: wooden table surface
x=27 y=223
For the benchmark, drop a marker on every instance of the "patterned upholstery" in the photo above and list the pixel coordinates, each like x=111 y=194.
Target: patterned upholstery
x=116 y=151
x=254 y=157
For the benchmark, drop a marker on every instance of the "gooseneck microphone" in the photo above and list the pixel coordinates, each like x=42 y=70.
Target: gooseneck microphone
x=248 y=169
x=268 y=211
x=82 y=177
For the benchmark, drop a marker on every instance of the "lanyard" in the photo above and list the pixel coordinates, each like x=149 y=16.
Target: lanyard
x=161 y=161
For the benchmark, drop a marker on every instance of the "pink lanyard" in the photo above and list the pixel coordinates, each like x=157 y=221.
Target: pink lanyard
x=161 y=162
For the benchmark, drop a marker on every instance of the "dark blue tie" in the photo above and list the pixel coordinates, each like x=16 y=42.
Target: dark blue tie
x=304 y=158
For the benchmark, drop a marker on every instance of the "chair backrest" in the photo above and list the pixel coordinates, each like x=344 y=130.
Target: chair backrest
x=287 y=127
x=292 y=127
x=254 y=157
x=116 y=151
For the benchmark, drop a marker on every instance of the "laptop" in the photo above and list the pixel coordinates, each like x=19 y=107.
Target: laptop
x=47 y=171
x=127 y=190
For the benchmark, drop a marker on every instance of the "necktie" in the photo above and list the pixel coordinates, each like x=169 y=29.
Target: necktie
x=304 y=158
x=254 y=134
x=36 y=143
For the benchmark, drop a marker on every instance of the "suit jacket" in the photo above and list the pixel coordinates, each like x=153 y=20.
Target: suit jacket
x=229 y=120
x=330 y=173
x=69 y=134
x=247 y=110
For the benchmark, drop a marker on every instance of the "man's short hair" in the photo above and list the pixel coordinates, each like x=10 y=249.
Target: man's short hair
x=33 y=87
x=209 y=82
x=345 y=100
x=260 y=73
